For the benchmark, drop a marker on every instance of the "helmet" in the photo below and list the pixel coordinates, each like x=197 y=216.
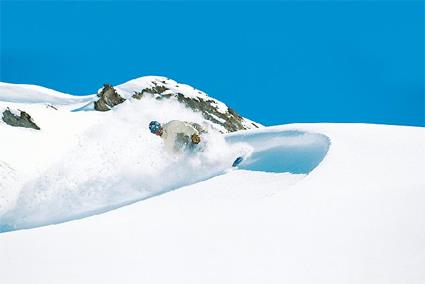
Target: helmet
x=154 y=126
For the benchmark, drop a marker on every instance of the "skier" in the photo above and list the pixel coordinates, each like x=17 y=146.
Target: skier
x=178 y=136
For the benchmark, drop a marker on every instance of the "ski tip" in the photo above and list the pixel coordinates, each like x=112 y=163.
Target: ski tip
x=237 y=162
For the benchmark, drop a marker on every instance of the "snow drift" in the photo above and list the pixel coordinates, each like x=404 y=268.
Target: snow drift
x=311 y=203
x=85 y=162
x=358 y=217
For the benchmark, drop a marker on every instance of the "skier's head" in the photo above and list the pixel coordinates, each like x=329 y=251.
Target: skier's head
x=155 y=128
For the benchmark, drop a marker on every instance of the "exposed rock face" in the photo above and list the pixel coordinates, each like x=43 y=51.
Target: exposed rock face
x=159 y=88
x=156 y=89
x=108 y=98
x=229 y=118
x=23 y=120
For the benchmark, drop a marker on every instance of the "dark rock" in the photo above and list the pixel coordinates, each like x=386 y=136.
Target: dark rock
x=137 y=95
x=23 y=120
x=230 y=120
x=157 y=89
x=233 y=113
x=108 y=98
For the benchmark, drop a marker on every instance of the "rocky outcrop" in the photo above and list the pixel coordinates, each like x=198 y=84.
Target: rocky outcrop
x=229 y=119
x=108 y=98
x=160 y=88
x=156 y=89
x=21 y=120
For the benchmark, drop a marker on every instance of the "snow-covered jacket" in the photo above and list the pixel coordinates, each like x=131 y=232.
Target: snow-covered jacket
x=177 y=135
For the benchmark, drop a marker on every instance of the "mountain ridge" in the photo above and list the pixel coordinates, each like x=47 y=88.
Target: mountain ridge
x=218 y=114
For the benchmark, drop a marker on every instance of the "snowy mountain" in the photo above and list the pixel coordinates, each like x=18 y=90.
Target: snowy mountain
x=213 y=112
x=47 y=134
x=311 y=203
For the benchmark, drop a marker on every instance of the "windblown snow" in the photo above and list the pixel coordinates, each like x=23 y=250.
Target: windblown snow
x=311 y=203
x=87 y=162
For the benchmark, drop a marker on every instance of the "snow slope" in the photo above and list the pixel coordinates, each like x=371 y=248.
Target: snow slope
x=312 y=203
x=358 y=217
x=85 y=162
x=22 y=93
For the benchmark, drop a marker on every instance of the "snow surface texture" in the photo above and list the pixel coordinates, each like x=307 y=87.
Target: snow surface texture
x=312 y=203
x=87 y=162
x=107 y=169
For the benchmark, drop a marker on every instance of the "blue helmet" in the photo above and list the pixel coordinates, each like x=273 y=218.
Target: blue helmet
x=154 y=126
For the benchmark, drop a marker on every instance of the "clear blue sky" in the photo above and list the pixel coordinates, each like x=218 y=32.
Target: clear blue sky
x=274 y=62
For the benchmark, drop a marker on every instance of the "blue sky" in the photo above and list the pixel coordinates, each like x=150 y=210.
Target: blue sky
x=274 y=62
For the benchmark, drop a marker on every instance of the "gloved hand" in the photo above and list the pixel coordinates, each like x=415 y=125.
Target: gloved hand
x=196 y=139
